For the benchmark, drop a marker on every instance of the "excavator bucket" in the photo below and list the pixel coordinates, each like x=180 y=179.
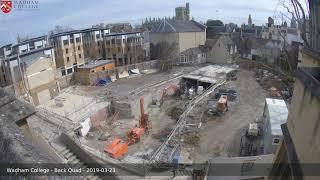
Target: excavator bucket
x=116 y=149
x=134 y=135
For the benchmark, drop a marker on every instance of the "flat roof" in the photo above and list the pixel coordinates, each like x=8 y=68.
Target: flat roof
x=209 y=74
x=31 y=40
x=65 y=33
x=96 y=64
x=93 y=29
x=259 y=166
x=278 y=113
x=29 y=53
x=124 y=33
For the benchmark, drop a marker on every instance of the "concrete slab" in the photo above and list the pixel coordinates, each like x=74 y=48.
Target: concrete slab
x=75 y=107
x=209 y=74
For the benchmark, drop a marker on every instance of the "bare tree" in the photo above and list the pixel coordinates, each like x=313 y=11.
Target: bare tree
x=300 y=14
x=165 y=52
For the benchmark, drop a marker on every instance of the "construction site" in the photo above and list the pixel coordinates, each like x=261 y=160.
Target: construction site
x=186 y=115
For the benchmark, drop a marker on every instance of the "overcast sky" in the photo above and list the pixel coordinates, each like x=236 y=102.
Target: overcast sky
x=84 y=13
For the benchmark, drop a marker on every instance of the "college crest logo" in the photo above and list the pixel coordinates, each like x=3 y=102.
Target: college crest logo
x=6 y=6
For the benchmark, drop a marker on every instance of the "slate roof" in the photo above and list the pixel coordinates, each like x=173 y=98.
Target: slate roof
x=96 y=64
x=193 y=51
x=172 y=26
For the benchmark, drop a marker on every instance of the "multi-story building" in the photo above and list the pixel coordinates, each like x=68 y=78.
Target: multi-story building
x=124 y=48
x=93 y=47
x=68 y=47
x=182 y=34
x=183 y=13
x=30 y=70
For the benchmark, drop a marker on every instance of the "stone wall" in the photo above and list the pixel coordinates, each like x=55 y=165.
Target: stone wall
x=92 y=77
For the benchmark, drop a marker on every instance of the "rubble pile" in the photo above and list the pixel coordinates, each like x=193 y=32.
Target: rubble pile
x=277 y=86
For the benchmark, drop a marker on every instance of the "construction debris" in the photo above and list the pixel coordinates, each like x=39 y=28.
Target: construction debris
x=191 y=138
x=175 y=112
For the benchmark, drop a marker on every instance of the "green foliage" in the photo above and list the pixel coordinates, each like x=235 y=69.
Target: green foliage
x=211 y=22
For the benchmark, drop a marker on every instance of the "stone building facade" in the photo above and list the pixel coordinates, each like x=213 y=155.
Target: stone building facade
x=125 y=48
x=68 y=48
x=185 y=34
x=183 y=13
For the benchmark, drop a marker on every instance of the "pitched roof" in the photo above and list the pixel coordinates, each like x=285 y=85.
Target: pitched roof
x=212 y=40
x=196 y=50
x=172 y=26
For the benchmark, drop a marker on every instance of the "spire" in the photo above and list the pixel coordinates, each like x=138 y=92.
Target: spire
x=249 y=21
x=293 y=23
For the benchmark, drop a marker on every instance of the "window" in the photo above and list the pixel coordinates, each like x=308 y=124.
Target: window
x=99 y=51
x=71 y=41
x=275 y=141
x=98 y=43
x=65 y=42
x=79 y=56
x=63 y=72
x=78 y=40
x=79 y=48
x=67 y=50
x=128 y=48
x=68 y=59
x=69 y=71
x=97 y=36
x=119 y=50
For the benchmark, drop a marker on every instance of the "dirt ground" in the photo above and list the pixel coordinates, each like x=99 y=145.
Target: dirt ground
x=162 y=122
x=220 y=135
x=123 y=87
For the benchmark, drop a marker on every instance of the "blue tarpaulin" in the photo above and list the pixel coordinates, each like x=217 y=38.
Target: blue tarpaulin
x=103 y=81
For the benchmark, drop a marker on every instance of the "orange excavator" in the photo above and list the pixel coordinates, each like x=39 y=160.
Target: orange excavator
x=117 y=148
